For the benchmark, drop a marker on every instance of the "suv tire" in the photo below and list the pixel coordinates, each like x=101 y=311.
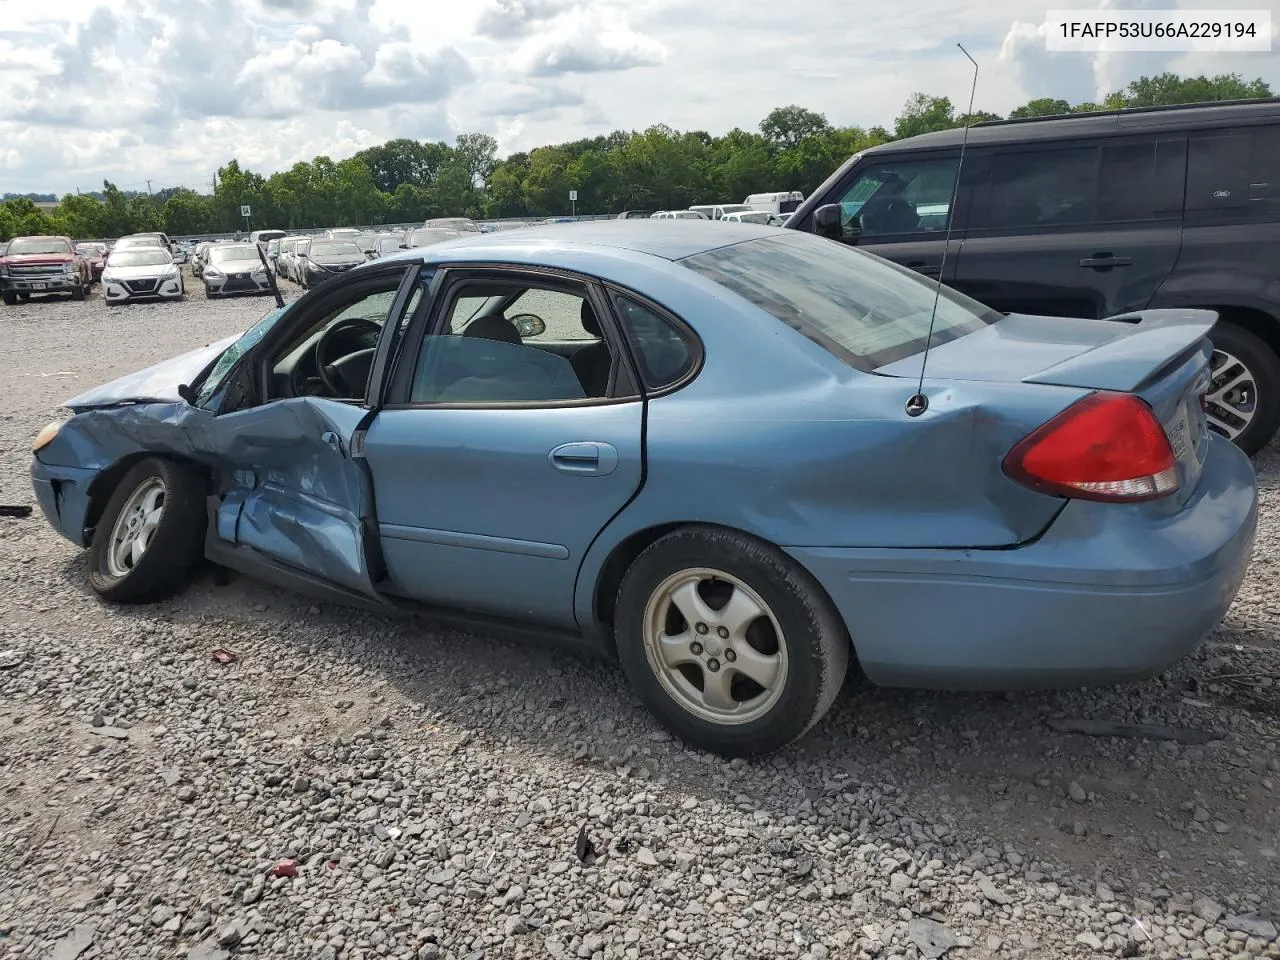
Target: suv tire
x=1239 y=352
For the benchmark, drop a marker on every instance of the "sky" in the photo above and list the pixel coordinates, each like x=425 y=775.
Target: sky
x=169 y=90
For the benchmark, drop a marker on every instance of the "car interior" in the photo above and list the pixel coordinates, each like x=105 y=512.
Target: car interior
x=502 y=342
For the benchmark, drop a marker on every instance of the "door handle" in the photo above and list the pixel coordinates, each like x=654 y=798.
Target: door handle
x=928 y=269
x=1105 y=261
x=586 y=458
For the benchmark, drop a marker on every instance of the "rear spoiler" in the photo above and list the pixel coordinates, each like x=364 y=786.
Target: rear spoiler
x=1124 y=363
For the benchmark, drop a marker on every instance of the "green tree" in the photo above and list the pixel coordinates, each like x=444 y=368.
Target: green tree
x=1168 y=89
x=82 y=216
x=187 y=212
x=404 y=161
x=924 y=114
x=1041 y=107
x=786 y=127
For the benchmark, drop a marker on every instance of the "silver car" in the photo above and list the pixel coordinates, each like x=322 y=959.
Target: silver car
x=234 y=268
x=141 y=273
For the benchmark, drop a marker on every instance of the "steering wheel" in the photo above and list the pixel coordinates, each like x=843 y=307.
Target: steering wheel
x=346 y=376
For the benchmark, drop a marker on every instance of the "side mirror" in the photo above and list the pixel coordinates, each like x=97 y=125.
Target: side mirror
x=826 y=221
x=529 y=324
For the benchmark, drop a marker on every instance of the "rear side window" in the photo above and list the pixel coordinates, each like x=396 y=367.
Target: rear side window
x=1039 y=188
x=1119 y=181
x=865 y=310
x=1235 y=174
x=664 y=352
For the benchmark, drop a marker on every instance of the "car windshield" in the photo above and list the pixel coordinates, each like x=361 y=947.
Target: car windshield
x=867 y=311
x=125 y=242
x=227 y=359
x=335 y=248
x=755 y=216
x=142 y=257
x=735 y=208
x=234 y=253
x=26 y=245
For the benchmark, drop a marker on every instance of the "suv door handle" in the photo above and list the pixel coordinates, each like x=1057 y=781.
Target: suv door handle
x=922 y=266
x=587 y=458
x=1105 y=261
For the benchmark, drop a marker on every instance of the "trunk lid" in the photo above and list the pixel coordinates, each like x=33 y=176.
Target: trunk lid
x=1160 y=355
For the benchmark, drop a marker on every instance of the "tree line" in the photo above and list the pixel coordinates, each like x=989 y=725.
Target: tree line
x=404 y=181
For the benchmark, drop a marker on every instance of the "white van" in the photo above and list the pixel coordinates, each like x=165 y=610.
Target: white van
x=783 y=202
x=263 y=237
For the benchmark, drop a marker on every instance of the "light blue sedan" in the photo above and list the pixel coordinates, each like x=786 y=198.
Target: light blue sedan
x=704 y=448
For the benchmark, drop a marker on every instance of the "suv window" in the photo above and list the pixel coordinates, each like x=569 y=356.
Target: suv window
x=1235 y=172
x=1044 y=187
x=900 y=197
x=1120 y=181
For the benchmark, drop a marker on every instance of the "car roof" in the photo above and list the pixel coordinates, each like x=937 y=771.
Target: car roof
x=1096 y=123
x=655 y=238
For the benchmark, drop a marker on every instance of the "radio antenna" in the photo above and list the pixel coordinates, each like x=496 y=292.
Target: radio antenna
x=918 y=403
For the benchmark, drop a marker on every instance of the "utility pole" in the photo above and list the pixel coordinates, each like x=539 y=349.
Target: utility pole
x=150 y=194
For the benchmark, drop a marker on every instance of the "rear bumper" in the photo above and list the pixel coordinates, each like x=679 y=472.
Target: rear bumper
x=1109 y=593
x=63 y=495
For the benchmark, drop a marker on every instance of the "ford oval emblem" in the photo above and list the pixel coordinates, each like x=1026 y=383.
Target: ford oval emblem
x=1221 y=194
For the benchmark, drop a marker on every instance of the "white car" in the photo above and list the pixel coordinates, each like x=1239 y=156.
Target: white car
x=678 y=215
x=141 y=273
x=718 y=211
x=753 y=216
x=234 y=268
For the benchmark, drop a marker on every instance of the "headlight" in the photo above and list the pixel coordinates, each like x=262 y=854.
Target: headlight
x=213 y=272
x=68 y=268
x=45 y=436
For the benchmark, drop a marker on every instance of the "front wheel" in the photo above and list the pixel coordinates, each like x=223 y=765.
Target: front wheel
x=10 y=299
x=1243 y=399
x=150 y=534
x=732 y=645
x=78 y=292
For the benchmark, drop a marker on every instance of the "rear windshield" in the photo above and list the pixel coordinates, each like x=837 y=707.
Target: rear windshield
x=867 y=311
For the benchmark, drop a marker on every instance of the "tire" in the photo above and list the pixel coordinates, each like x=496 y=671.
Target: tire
x=78 y=292
x=176 y=536
x=10 y=299
x=795 y=629
x=1261 y=366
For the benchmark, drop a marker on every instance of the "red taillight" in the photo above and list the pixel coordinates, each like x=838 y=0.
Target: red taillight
x=1108 y=446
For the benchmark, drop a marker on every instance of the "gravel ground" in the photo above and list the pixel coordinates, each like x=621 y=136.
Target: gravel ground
x=458 y=795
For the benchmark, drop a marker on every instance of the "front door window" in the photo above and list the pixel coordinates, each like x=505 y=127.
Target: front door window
x=900 y=198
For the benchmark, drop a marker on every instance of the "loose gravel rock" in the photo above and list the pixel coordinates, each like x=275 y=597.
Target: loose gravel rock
x=432 y=786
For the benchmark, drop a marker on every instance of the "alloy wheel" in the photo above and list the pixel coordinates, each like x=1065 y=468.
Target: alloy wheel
x=1232 y=398
x=135 y=527
x=715 y=646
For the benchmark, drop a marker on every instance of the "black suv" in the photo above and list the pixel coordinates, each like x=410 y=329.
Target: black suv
x=1094 y=215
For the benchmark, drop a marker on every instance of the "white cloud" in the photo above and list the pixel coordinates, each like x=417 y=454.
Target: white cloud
x=171 y=90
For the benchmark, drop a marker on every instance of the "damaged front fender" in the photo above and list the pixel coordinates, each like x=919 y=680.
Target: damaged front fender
x=285 y=484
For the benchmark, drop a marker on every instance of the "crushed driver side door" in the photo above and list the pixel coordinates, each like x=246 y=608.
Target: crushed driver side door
x=293 y=494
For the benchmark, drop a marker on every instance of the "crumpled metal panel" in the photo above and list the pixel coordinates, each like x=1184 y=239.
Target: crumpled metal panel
x=296 y=495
